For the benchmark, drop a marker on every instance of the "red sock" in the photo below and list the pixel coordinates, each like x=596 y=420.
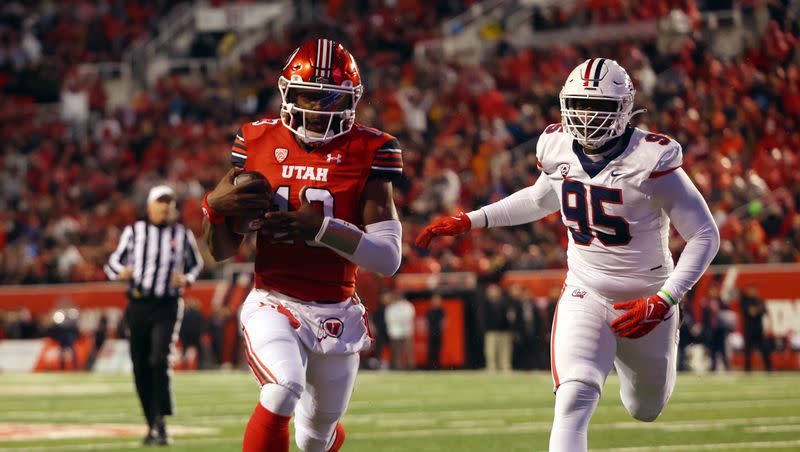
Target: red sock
x=266 y=432
x=337 y=443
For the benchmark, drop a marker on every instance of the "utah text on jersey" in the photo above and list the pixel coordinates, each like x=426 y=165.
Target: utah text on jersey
x=332 y=177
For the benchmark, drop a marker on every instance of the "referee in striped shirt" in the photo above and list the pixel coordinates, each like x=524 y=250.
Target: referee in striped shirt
x=159 y=258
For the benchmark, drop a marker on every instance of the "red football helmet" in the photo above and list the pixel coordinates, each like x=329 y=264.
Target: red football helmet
x=324 y=70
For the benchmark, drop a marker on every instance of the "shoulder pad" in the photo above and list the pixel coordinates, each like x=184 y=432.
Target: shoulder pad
x=669 y=154
x=254 y=130
x=551 y=134
x=362 y=129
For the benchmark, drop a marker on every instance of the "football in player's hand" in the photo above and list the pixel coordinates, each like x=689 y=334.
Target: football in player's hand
x=252 y=220
x=246 y=176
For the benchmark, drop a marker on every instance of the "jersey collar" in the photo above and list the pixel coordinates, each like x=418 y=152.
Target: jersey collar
x=593 y=168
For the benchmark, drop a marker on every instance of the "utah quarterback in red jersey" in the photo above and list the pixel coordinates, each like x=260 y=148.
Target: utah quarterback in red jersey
x=330 y=212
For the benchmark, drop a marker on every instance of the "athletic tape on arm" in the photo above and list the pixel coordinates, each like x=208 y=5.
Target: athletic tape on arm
x=377 y=250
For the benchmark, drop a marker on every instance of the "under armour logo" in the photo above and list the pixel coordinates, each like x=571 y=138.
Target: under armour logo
x=337 y=158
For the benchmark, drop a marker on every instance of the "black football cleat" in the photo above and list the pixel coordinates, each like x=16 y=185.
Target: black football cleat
x=163 y=440
x=151 y=439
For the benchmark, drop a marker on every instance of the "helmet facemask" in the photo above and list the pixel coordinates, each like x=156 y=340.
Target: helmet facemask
x=332 y=114
x=595 y=120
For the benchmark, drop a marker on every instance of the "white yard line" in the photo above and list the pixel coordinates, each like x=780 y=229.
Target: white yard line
x=430 y=416
x=13 y=416
x=388 y=422
x=762 y=403
x=528 y=412
x=698 y=425
x=773 y=428
x=40 y=390
x=96 y=446
x=124 y=445
x=449 y=414
x=528 y=427
x=202 y=442
x=405 y=403
x=472 y=431
x=368 y=418
x=714 y=446
x=477 y=428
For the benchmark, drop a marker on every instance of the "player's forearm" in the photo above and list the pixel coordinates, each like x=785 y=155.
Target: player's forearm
x=222 y=242
x=695 y=259
x=379 y=249
x=690 y=215
x=525 y=206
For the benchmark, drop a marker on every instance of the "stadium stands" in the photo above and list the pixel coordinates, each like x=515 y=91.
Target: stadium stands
x=72 y=174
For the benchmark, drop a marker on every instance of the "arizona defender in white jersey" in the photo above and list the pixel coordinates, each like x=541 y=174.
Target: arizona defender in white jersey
x=618 y=189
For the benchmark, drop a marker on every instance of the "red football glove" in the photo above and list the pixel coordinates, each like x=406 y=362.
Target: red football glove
x=444 y=226
x=643 y=315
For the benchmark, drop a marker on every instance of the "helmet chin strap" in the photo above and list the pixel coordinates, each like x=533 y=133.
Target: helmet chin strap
x=313 y=138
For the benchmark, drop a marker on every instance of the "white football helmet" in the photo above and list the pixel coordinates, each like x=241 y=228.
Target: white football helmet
x=597 y=102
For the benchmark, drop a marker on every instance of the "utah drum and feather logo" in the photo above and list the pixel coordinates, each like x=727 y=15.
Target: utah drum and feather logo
x=332 y=327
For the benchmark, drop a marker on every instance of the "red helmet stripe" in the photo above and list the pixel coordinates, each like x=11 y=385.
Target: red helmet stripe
x=588 y=71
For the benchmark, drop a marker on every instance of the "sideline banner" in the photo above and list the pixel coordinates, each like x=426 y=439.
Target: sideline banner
x=41 y=299
x=114 y=357
x=20 y=355
x=777 y=284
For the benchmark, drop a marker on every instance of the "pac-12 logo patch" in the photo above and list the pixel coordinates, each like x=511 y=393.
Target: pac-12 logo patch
x=563 y=169
x=281 y=154
x=333 y=327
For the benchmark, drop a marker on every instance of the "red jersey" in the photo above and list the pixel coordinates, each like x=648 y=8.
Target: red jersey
x=334 y=175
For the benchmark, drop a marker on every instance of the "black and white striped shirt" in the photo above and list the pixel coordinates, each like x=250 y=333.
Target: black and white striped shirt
x=154 y=253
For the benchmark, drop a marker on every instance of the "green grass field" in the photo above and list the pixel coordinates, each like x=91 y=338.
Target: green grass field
x=444 y=411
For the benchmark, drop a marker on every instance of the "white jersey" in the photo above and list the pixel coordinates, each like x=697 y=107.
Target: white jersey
x=618 y=233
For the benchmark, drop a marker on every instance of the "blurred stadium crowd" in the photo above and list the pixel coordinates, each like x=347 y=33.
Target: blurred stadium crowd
x=71 y=176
